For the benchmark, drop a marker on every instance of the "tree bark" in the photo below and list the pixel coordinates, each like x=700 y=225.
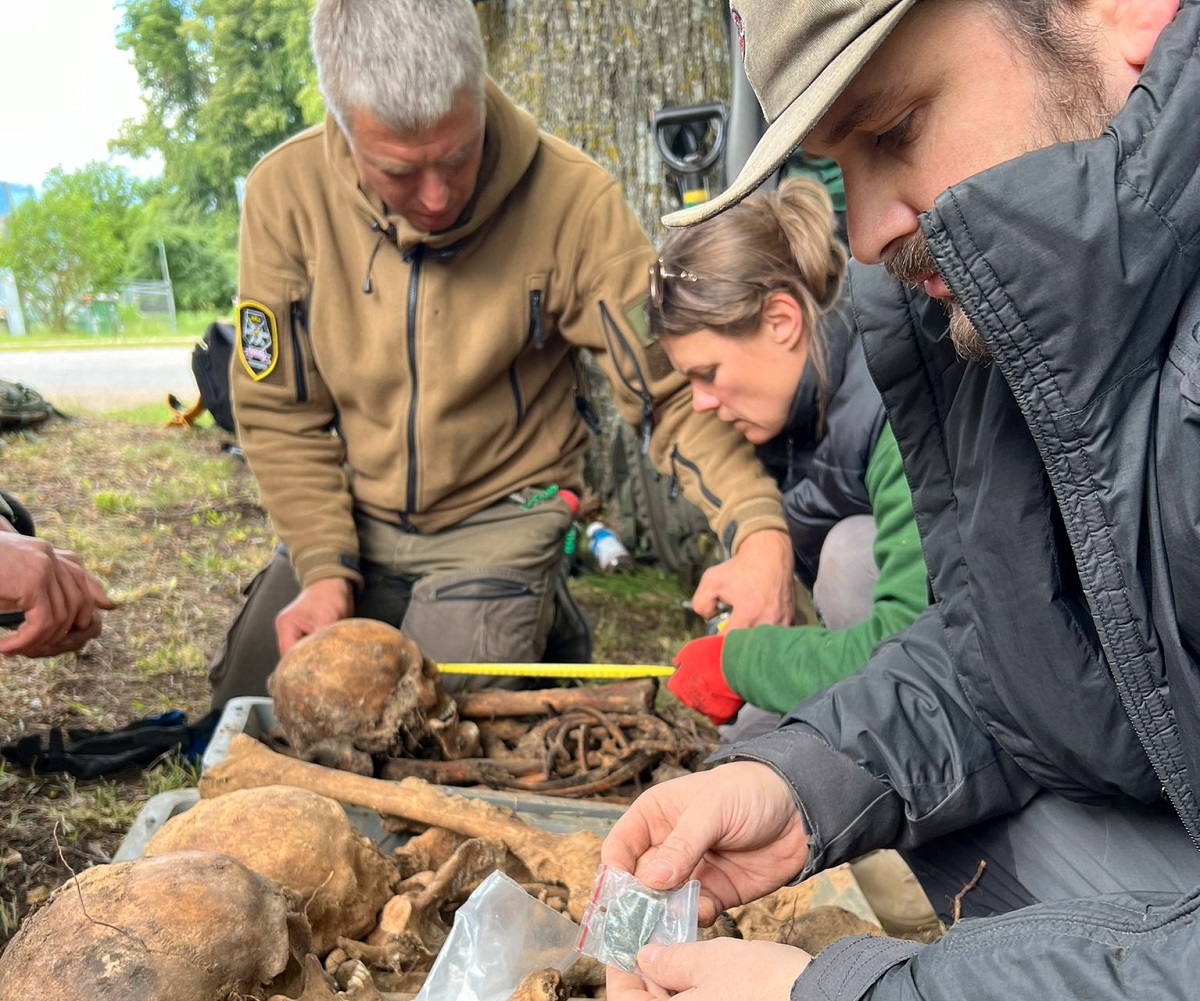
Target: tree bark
x=593 y=71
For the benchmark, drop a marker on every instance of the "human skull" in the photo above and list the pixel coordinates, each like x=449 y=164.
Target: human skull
x=189 y=926
x=300 y=840
x=358 y=689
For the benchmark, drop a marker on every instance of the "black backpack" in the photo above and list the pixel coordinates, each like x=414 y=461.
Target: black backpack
x=651 y=515
x=211 y=358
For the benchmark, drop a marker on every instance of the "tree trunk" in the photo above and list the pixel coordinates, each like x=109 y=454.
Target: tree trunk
x=593 y=72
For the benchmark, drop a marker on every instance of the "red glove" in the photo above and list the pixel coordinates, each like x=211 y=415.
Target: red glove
x=699 y=683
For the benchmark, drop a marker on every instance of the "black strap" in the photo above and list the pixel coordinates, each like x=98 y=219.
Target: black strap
x=88 y=753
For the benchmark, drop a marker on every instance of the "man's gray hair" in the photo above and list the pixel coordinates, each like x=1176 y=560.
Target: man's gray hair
x=403 y=62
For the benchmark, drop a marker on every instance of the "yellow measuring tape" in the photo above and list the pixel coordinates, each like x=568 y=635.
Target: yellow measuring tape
x=562 y=670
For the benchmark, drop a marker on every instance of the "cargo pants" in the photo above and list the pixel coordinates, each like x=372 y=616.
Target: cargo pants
x=490 y=589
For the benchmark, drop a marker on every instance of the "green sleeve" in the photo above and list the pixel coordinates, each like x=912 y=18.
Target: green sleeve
x=774 y=667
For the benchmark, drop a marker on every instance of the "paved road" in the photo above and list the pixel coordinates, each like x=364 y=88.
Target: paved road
x=104 y=378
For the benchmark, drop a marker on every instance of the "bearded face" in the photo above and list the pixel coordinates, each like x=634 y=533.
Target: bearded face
x=1072 y=107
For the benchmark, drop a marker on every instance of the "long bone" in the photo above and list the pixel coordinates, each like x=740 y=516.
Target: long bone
x=566 y=859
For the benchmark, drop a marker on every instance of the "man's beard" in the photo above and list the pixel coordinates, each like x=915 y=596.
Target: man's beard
x=910 y=264
x=1082 y=112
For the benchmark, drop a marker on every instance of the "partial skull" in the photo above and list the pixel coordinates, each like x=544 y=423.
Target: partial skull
x=359 y=689
x=300 y=840
x=190 y=926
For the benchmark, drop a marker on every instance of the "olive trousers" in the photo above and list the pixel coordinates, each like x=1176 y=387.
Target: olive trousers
x=490 y=589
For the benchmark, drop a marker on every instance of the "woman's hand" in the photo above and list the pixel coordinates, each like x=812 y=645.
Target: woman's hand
x=756 y=583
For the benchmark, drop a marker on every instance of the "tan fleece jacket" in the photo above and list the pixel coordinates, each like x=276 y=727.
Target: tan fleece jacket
x=447 y=363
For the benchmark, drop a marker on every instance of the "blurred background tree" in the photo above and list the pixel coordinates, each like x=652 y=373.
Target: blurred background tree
x=70 y=244
x=593 y=72
x=223 y=82
x=200 y=248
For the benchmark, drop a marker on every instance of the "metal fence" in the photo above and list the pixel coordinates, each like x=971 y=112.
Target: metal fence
x=150 y=299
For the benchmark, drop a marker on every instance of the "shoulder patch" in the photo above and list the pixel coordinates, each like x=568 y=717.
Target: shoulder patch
x=258 y=339
x=639 y=321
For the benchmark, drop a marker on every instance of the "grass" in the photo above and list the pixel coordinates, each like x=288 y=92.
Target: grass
x=174 y=655
x=171 y=524
x=142 y=332
x=644 y=584
x=637 y=617
x=112 y=501
x=10 y=914
x=156 y=414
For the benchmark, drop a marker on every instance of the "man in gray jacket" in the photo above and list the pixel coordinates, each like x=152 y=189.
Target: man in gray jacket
x=1027 y=170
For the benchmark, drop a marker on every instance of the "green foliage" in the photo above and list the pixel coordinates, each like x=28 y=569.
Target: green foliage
x=200 y=258
x=70 y=242
x=171 y=773
x=224 y=81
x=637 y=617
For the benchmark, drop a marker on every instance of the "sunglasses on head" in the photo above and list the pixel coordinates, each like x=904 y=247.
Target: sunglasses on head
x=661 y=273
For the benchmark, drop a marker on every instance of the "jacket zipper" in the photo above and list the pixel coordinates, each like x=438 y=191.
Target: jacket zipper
x=583 y=405
x=536 y=334
x=678 y=459
x=612 y=332
x=414 y=257
x=498 y=588
x=535 y=337
x=299 y=320
x=516 y=391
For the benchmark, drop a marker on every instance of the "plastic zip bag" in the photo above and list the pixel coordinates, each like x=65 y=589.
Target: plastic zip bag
x=623 y=915
x=499 y=936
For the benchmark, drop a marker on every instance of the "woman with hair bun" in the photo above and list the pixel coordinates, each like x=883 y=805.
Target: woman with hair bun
x=747 y=306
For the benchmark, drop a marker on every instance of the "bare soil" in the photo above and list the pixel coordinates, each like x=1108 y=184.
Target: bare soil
x=171 y=523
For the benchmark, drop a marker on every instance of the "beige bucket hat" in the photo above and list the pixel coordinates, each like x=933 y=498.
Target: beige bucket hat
x=799 y=55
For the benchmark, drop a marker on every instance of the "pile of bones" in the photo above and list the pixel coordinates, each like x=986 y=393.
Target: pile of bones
x=265 y=890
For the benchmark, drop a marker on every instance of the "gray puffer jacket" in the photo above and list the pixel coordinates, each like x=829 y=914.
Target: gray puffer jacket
x=1057 y=493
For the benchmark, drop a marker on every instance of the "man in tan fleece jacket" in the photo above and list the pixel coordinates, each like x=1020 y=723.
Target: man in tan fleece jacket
x=417 y=275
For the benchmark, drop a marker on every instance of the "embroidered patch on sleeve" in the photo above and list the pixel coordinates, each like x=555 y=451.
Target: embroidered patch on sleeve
x=639 y=322
x=258 y=341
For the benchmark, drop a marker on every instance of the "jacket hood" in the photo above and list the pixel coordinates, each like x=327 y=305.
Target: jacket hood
x=510 y=143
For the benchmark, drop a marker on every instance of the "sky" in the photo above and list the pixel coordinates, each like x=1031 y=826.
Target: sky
x=65 y=87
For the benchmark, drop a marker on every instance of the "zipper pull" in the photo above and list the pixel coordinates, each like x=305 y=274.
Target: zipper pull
x=536 y=334
x=584 y=406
